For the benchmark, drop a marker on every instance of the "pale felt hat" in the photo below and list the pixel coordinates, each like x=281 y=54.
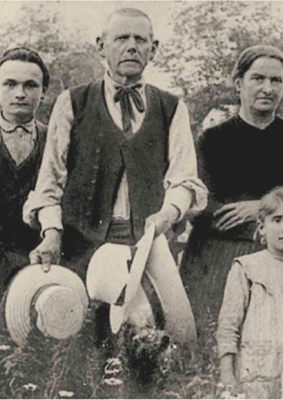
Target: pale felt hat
x=58 y=296
x=115 y=268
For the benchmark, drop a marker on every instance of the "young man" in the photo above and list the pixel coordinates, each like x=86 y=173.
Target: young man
x=24 y=80
x=119 y=155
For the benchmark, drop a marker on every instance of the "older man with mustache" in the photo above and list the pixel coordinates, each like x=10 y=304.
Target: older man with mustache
x=119 y=155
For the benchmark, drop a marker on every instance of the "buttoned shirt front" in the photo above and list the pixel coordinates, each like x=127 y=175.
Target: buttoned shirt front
x=19 y=139
x=180 y=182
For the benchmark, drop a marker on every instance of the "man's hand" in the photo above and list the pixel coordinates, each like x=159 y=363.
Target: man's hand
x=48 y=251
x=163 y=219
x=234 y=214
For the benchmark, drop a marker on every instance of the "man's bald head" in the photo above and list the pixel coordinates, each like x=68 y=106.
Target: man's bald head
x=127 y=12
x=127 y=44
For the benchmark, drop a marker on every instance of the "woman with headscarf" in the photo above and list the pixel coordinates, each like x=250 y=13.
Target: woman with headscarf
x=240 y=160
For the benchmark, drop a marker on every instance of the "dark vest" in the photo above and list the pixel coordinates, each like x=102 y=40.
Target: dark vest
x=99 y=153
x=15 y=184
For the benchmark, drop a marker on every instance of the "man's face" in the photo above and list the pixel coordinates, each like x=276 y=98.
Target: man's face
x=261 y=86
x=21 y=89
x=127 y=47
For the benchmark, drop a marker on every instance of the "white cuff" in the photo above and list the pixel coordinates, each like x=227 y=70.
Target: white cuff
x=50 y=217
x=180 y=198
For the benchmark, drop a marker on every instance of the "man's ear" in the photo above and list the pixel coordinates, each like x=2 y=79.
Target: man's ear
x=154 y=47
x=42 y=97
x=100 y=46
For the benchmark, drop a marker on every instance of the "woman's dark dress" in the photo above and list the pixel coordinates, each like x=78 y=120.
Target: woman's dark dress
x=237 y=162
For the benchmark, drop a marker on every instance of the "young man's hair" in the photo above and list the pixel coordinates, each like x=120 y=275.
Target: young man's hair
x=27 y=55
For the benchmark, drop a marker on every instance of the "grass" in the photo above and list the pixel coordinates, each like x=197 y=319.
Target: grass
x=94 y=364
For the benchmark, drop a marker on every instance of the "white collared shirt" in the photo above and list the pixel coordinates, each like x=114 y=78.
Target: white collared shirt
x=181 y=182
x=19 y=139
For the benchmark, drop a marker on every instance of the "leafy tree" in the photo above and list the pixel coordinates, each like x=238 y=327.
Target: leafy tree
x=208 y=37
x=71 y=59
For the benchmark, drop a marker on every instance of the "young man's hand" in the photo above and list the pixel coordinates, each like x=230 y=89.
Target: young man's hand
x=48 y=251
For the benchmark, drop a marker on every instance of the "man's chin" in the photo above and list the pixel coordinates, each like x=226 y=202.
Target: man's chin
x=131 y=71
x=21 y=117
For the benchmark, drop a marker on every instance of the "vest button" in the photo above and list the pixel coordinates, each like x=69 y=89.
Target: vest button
x=88 y=214
x=93 y=181
x=100 y=222
x=89 y=198
x=98 y=151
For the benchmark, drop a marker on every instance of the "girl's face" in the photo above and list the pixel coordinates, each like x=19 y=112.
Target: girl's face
x=272 y=229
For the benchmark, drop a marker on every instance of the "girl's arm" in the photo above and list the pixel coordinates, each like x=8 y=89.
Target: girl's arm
x=232 y=314
x=227 y=370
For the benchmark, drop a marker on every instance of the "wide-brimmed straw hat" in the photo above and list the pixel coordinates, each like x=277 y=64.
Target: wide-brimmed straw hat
x=115 y=271
x=58 y=296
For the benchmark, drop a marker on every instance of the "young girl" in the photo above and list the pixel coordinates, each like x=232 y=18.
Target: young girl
x=250 y=330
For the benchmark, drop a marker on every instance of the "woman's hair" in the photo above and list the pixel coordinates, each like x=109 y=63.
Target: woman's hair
x=249 y=55
x=27 y=55
x=268 y=205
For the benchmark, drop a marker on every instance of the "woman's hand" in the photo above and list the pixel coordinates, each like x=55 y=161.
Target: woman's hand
x=231 y=215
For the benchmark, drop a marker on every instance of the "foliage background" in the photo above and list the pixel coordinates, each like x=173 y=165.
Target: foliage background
x=199 y=43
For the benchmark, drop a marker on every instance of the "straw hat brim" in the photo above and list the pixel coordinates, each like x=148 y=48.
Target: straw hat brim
x=165 y=277
x=108 y=272
x=118 y=314
x=23 y=289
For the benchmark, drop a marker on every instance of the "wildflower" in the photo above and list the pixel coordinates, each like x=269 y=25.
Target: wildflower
x=66 y=393
x=30 y=387
x=113 y=366
x=113 y=381
x=226 y=395
x=4 y=347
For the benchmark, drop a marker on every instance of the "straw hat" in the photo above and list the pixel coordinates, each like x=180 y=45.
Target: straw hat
x=115 y=267
x=115 y=271
x=58 y=296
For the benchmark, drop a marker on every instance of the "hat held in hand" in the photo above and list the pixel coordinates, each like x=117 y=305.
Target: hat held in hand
x=58 y=296
x=115 y=271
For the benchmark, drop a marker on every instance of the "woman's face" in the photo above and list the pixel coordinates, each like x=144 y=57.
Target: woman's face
x=261 y=87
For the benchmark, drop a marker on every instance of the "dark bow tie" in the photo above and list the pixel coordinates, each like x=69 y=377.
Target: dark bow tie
x=123 y=95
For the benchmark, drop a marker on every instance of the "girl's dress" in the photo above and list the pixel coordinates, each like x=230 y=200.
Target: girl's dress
x=237 y=162
x=251 y=323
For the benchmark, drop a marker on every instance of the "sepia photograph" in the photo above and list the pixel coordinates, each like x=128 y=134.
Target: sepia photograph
x=141 y=199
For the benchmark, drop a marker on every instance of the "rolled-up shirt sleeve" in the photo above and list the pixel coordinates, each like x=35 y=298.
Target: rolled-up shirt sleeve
x=183 y=188
x=232 y=313
x=43 y=205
